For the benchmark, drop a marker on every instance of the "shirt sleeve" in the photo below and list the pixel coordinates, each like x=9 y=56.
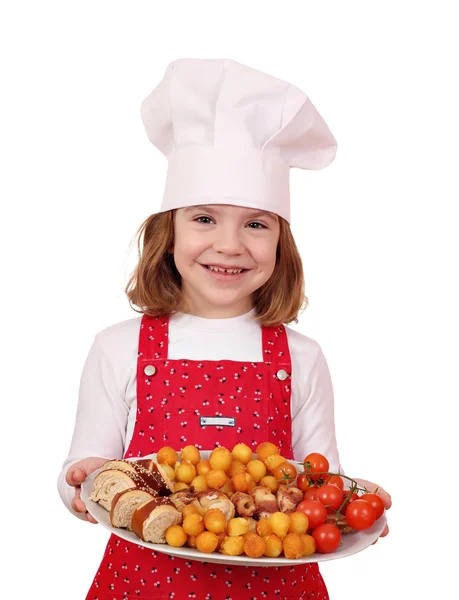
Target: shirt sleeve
x=101 y=417
x=313 y=425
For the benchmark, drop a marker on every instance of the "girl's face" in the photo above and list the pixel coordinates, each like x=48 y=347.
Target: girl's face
x=223 y=237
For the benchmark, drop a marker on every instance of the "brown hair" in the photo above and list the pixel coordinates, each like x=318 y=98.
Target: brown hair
x=155 y=285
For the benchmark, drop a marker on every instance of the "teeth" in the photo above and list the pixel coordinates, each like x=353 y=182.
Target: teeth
x=220 y=270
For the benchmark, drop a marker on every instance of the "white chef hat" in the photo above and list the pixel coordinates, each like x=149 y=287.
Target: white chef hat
x=231 y=133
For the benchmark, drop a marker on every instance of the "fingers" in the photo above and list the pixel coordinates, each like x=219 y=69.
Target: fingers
x=91 y=519
x=75 y=476
x=385 y=497
x=77 y=503
x=79 y=506
x=383 y=534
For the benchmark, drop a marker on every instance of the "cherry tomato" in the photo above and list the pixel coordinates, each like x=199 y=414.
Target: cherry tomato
x=352 y=497
x=311 y=493
x=330 y=495
x=327 y=537
x=336 y=480
x=302 y=482
x=376 y=502
x=283 y=471
x=315 y=511
x=315 y=463
x=360 y=515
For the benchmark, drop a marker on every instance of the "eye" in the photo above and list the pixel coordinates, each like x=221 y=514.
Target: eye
x=198 y=219
x=261 y=226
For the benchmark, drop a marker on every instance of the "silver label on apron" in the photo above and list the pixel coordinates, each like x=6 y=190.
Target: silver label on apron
x=217 y=421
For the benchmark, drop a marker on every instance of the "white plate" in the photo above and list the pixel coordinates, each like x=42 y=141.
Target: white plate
x=352 y=542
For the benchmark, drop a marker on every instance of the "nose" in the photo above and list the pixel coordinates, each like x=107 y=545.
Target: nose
x=228 y=240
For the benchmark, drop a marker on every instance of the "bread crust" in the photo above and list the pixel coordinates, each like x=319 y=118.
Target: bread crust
x=160 y=510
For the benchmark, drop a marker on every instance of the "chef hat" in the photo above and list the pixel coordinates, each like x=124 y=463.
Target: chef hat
x=231 y=133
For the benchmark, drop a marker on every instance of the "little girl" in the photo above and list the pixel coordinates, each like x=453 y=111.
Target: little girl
x=218 y=276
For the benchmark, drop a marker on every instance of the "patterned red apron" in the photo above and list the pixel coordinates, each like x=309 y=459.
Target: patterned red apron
x=173 y=399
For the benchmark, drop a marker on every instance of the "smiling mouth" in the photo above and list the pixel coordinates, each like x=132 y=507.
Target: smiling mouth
x=224 y=271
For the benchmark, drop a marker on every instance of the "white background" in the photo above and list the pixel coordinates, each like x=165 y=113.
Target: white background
x=377 y=231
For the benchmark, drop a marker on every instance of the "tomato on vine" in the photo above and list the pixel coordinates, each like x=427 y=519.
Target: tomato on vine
x=314 y=510
x=285 y=473
x=360 y=515
x=336 y=480
x=330 y=495
x=311 y=493
x=327 y=537
x=315 y=463
x=351 y=498
x=375 y=501
x=302 y=482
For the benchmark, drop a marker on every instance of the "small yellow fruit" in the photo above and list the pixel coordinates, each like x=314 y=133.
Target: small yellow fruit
x=270 y=482
x=220 y=458
x=242 y=482
x=266 y=449
x=274 y=461
x=257 y=469
x=232 y=546
x=185 y=472
x=255 y=546
x=242 y=453
x=273 y=545
x=293 y=546
x=167 y=455
x=176 y=536
x=299 y=522
x=216 y=478
x=190 y=454
x=193 y=525
x=203 y=467
x=189 y=509
x=237 y=526
x=199 y=483
x=309 y=544
x=236 y=467
x=263 y=527
x=214 y=520
x=206 y=541
x=279 y=523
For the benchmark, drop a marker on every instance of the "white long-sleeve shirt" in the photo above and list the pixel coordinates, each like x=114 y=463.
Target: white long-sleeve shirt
x=107 y=401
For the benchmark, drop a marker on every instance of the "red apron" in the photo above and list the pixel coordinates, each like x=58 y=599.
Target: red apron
x=174 y=397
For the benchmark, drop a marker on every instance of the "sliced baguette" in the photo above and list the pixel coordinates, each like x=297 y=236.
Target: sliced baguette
x=124 y=505
x=110 y=482
x=151 y=520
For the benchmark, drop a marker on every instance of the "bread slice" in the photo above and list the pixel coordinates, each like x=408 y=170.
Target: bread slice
x=111 y=481
x=152 y=473
x=124 y=504
x=151 y=520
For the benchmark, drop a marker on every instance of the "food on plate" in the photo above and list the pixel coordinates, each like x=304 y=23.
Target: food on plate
x=244 y=504
x=292 y=545
x=110 y=482
x=288 y=498
x=235 y=502
x=265 y=501
x=152 y=519
x=124 y=505
x=152 y=472
x=216 y=499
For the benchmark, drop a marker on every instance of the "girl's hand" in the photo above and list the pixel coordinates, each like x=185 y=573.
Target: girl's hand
x=76 y=474
x=385 y=497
